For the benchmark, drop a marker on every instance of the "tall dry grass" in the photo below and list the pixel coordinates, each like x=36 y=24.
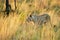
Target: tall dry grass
x=15 y=26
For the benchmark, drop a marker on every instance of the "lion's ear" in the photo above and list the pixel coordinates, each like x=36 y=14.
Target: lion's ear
x=30 y=15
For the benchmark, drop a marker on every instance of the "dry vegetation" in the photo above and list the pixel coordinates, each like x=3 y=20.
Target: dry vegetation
x=15 y=26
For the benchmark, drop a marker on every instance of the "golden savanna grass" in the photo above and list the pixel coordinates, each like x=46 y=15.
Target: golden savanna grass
x=15 y=26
